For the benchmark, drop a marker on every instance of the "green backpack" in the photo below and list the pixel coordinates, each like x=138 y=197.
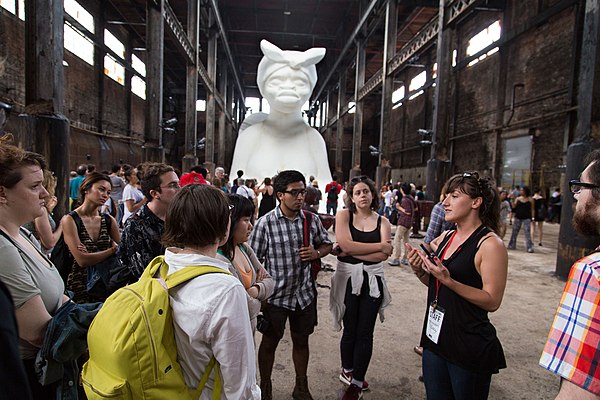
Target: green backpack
x=133 y=354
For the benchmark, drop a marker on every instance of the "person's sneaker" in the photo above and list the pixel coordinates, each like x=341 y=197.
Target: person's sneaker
x=511 y=248
x=530 y=250
x=394 y=262
x=404 y=262
x=346 y=377
x=352 y=393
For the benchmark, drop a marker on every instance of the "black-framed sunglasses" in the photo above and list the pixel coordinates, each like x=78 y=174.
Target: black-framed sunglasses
x=360 y=178
x=296 y=192
x=576 y=186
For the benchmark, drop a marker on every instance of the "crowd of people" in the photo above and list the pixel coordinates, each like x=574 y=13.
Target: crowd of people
x=269 y=253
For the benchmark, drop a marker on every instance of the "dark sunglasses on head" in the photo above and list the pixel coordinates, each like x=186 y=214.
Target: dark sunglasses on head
x=360 y=178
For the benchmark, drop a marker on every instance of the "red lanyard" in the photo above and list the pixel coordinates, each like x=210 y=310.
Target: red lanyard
x=438 y=284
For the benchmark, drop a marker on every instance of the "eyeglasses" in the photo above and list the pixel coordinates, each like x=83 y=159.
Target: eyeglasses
x=172 y=185
x=576 y=186
x=4 y=112
x=296 y=192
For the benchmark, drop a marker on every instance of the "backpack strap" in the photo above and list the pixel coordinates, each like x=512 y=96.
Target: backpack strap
x=212 y=364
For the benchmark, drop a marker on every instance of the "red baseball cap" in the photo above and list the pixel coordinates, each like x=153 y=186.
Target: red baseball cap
x=192 y=177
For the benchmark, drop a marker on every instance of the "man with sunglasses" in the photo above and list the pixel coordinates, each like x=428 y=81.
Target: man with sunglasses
x=278 y=241
x=573 y=347
x=141 y=237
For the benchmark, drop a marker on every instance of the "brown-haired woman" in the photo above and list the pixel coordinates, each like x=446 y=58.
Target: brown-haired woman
x=34 y=284
x=466 y=280
x=97 y=238
x=244 y=263
x=358 y=289
x=44 y=228
x=210 y=312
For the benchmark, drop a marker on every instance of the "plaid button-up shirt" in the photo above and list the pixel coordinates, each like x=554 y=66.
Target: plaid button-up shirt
x=437 y=223
x=573 y=347
x=276 y=239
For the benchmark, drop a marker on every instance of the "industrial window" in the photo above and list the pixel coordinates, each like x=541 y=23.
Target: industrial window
x=252 y=105
x=305 y=108
x=11 y=6
x=112 y=67
x=114 y=70
x=78 y=44
x=114 y=44
x=75 y=10
x=482 y=40
x=351 y=107
x=200 y=105
x=138 y=87
x=398 y=96
x=416 y=84
x=138 y=65
x=516 y=165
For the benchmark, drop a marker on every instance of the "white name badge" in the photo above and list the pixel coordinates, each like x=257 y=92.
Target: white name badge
x=434 y=322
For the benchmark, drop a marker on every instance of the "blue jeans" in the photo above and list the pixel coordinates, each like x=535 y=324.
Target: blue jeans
x=515 y=233
x=447 y=381
x=332 y=207
x=356 y=346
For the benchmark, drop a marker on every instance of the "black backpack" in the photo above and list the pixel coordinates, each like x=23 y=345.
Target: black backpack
x=61 y=256
x=332 y=195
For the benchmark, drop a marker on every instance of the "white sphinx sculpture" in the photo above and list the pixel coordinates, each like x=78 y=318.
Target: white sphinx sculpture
x=283 y=140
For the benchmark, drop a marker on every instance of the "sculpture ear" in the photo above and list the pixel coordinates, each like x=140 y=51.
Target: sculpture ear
x=313 y=56
x=271 y=51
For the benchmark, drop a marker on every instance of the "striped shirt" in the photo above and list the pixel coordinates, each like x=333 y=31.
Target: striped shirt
x=276 y=239
x=572 y=350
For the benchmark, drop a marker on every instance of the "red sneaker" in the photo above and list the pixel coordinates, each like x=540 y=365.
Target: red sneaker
x=352 y=393
x=346 y=377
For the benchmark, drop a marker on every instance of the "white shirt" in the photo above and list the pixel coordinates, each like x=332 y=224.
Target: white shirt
x=210 y=317
x=130 y=193
x=388 y=198
x=246 y=192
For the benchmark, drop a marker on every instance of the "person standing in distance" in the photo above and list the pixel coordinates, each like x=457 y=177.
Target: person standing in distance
x=277 y=240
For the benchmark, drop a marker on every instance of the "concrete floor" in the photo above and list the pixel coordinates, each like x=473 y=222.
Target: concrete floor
x=522 y=322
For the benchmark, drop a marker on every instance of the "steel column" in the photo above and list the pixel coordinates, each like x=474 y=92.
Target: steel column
x=155 y=34
x=47 y=128
x=339 y=134
x=209 y=149
x=358 y=110
x=439 y=164
x=573 y=246
x=191 y=88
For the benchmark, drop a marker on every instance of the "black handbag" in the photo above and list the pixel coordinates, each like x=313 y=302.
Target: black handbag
x=394 y=217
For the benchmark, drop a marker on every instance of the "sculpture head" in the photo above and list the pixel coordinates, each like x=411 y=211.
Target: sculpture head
x=287 y=78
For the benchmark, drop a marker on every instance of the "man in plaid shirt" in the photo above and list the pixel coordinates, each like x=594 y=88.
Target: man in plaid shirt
x=277 y=240
x=572 y=350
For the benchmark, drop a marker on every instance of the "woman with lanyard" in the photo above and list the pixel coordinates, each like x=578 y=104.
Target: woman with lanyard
x=358 y=288
x=466 y=277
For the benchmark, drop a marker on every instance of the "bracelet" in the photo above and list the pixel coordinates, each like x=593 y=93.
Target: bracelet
x=318 y=254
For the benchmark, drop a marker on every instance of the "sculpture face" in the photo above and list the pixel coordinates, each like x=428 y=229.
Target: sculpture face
x=287 y=90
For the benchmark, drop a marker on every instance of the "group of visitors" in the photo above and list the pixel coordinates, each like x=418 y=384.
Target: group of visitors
x=273 y=260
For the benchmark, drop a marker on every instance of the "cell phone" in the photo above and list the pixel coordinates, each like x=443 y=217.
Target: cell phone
x=428 y=253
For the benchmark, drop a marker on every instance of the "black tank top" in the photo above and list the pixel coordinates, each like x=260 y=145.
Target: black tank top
x=467 y=338
x=523 y=210
x=373 y=236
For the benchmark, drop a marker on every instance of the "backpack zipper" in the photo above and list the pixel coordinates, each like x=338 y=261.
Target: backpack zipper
x=147 y=323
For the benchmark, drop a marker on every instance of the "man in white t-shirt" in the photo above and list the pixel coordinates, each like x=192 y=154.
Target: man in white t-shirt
x=387 y=198
x=244 y=190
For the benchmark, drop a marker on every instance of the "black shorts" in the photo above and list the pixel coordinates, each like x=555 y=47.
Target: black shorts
x=302 y=322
